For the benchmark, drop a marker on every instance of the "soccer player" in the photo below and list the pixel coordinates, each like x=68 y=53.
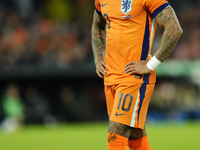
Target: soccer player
x=122 y=36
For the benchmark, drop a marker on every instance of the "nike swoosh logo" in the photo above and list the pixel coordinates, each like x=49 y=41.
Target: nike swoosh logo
x=104 y=4
x=119 y=114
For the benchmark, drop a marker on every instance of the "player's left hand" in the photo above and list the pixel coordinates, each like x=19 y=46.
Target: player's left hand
x=137 y=67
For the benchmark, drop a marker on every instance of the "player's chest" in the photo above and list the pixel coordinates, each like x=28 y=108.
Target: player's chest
x=120 y=9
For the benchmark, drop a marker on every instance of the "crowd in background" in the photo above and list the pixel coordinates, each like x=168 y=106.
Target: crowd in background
x=67 y=104
x=57 y=33
x=54 y=33
x=188 y=13
x=173 y=100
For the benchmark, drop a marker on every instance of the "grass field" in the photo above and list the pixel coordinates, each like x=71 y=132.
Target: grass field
x=92 y=136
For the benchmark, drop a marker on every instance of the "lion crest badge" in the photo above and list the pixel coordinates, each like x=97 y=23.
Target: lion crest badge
x=126 y=6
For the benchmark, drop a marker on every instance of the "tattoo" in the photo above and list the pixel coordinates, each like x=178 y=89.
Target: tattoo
x=172 y=32
x=119 y=129
x=98 y=37
x=111 y=137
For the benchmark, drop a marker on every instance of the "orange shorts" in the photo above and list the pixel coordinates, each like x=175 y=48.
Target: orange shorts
x=128 y=104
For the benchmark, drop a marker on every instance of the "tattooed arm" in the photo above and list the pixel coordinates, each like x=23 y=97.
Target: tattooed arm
x=98 y=43
x=172 y=31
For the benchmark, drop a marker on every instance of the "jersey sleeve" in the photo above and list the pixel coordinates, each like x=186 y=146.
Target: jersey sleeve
x=98 y=7
x=155 y=6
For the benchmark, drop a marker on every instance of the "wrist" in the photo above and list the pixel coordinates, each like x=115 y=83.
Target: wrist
x=98 y=61
x=153 y=63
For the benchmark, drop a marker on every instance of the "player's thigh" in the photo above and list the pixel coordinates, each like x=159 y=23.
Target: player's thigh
x=130 y=104
x=110 y=96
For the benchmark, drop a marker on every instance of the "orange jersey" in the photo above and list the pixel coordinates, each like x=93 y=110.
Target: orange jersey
x=130 y=31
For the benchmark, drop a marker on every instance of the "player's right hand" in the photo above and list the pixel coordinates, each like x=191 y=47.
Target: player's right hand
x=101 y=69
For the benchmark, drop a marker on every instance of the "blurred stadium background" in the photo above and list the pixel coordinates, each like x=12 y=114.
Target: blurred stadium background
x=49 y=89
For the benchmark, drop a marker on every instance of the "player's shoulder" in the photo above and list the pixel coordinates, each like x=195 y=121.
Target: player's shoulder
x=99 y=1
x=155 y=6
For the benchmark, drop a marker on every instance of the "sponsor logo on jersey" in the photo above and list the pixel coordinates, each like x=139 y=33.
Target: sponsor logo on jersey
x=104 y=4
x=119 y=114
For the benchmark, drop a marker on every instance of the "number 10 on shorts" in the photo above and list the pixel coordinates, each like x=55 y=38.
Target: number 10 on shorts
x=124 y=100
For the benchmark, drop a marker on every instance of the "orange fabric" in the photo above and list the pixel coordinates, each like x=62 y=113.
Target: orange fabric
x=128 y=104
x=117 y=142
x=126 y=31
x=139 y=144
x=98 y=5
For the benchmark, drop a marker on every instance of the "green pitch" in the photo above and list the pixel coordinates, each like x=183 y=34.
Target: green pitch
x=92 y=136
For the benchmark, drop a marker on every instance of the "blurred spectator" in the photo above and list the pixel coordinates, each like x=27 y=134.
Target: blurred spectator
x=97 y=103
x=174 y=101
x=69 y=109
x=13 y=109
x=25 y=7
x=37 y=108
